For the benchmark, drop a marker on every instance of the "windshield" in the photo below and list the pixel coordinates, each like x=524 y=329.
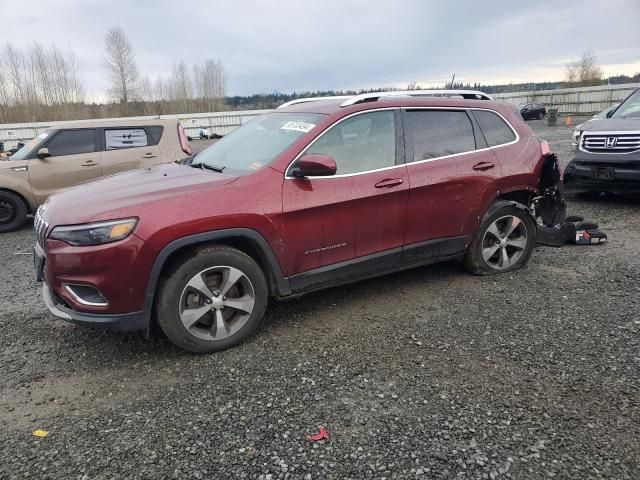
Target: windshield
x=258 y=142
x=29 y=146
x=630 y=108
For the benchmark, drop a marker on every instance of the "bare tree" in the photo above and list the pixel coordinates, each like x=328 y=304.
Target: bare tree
x=120 y=64
x=585 y=70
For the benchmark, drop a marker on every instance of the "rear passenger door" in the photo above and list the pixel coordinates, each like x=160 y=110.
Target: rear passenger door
x=74 y=158
x=452 y=177
x=128 y=148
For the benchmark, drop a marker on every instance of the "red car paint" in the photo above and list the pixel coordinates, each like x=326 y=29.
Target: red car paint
x=307 y=223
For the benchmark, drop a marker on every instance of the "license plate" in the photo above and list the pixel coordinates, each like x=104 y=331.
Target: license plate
x=38 y=265
x=604 y=173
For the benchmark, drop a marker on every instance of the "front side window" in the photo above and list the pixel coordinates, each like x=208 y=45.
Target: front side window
x=31 y=145
x=73 y=142
x=125 y=138
x=258 y=142
x=630 y=108
x=361 y=143
x=495 y=130
x=439 y=133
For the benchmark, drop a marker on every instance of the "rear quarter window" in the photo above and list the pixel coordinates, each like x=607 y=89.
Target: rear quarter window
x=155 y=133
x=496 y=131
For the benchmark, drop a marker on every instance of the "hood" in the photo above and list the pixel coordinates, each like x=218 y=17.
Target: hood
x=611 y=125
x=117 y=195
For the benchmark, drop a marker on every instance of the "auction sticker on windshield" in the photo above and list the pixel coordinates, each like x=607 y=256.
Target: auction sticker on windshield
x=298 y=126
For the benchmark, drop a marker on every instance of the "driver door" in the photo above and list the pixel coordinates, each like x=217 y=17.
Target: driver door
x=74 y=158
x=350 y=224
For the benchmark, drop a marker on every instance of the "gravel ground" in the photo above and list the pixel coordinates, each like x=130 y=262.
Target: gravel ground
x=430 y=373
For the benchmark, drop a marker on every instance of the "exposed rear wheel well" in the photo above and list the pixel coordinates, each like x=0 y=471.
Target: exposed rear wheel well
x=521 y=196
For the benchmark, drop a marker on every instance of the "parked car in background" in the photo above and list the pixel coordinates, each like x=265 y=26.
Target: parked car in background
x=66 y=155
x=316 y=194
x=530 y=111
x=607 y=157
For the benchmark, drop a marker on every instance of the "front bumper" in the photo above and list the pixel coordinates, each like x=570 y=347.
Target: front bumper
x=118 y=271
x=124 y=322
x=602 y=173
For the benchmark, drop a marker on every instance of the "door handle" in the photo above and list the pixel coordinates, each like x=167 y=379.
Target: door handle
x=389 y=182
x=89 y=163
x=483 y=166
x=149 y=155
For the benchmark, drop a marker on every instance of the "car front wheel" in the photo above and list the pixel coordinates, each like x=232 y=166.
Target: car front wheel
x=13 y=212
x=504 y=241
x=212 y=301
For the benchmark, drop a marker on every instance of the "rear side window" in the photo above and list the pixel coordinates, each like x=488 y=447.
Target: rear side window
x=438 y=133
x=73 y=142
x=495 y=130
x=125 y=138
x=155 y=133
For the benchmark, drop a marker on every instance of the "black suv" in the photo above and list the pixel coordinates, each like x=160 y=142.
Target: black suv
x=532 y=111
x=607 y=158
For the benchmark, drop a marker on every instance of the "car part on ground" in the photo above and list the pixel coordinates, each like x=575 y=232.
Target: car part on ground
x=572 y=230
x=313 y=195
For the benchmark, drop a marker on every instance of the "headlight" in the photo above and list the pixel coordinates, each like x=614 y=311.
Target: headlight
x=576 y=136
x=95 y=233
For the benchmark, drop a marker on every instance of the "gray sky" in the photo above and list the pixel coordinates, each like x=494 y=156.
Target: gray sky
x=299 y=45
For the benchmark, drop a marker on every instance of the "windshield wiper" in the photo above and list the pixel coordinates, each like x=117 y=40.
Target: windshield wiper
x=202 y=166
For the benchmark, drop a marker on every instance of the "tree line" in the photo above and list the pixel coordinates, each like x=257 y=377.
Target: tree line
x=40 y=83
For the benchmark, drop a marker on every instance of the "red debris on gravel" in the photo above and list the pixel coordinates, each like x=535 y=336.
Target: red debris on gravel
x=323 y=434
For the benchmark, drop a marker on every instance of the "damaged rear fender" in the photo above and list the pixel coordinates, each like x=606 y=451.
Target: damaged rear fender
x=550 y=205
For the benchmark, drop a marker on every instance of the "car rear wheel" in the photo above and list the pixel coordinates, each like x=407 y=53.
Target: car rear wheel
x=212 y=301
x=504 y=241
x=13 y=212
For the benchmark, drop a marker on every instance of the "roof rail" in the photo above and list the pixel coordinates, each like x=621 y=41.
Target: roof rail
x=466 y=94
x=313 y=99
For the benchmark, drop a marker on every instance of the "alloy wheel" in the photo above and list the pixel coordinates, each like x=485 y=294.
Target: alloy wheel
x=504 y=242
x=216 y=303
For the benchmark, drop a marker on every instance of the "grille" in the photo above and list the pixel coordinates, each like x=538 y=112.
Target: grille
x=41 y=227
x=611 y=143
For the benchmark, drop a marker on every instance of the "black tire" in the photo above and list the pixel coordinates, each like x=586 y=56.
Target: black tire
x=13 y=212
x=499 y=212
x=171 y=293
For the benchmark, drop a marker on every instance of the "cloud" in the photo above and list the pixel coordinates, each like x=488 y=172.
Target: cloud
x=291 y=45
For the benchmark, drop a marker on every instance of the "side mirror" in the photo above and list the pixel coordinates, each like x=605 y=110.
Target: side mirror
x=314 y=165
x=43 y=153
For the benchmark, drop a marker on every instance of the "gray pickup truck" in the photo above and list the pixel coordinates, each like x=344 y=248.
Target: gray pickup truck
x=607 y=157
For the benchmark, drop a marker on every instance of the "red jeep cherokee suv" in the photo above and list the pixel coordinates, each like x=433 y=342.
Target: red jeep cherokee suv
x=317 y=193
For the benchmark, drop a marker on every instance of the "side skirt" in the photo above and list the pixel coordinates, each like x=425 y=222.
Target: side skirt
x=378 y=264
